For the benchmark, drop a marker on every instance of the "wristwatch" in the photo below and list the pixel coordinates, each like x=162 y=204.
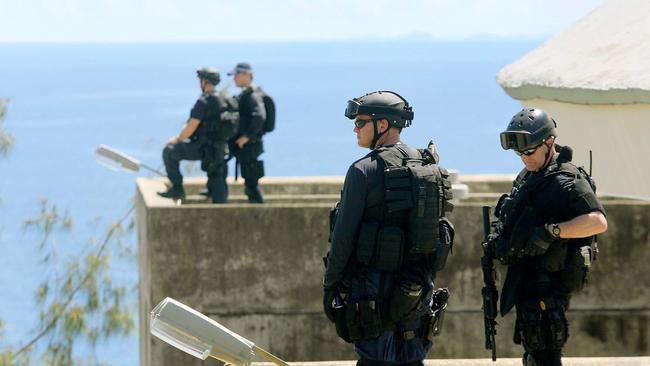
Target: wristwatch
x=555 y=229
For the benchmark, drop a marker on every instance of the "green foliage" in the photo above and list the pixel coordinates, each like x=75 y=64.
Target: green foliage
x=78 y=300
x=6 y=139
x=7 y=357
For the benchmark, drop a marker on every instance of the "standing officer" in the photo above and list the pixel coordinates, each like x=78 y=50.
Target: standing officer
x=204 y=129
x=545 y=234
x=378 y=283
x=247 y=145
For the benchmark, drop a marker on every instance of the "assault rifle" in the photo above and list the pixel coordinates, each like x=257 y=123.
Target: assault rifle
x=489 y=291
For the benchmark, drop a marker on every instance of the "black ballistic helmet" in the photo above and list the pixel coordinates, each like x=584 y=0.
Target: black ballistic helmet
x=382 y=105
x=210 y=74
x=527 y=129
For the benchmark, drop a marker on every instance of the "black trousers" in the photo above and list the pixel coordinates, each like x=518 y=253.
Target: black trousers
x=551 y=357
x=214 y=164
x=172 y=156
x=543 y=333
x=252 y=169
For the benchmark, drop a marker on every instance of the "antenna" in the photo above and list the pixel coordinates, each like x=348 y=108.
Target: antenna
x=590 y=162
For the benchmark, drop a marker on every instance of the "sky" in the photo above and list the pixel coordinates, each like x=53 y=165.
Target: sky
x=283 y=20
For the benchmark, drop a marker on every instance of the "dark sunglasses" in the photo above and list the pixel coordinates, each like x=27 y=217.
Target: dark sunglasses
x=528 y=152
x=359 y=123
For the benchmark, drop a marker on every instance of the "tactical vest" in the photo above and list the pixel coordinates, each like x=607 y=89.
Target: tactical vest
x=221 y=118
x=572 y=258
x=413 y=226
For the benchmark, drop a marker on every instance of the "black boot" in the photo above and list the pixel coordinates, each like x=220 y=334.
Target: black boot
x=528 y=360
x=254 y=194
x=175 y=192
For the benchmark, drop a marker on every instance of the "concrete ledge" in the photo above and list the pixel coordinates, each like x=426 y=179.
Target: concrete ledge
x=566 y=361
x=477 y=183
x=257 y=269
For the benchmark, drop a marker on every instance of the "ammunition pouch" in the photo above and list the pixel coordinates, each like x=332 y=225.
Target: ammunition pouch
x=417 y=197
x=504 y=251
x=390 y=248
x=404 y=301
x=510 y=247
x=541 y=330
x=446 y=234
x=578 y=262
x=381 y=248
x=555 y=257
x=252 y=170
x=384 y=247
x=363 y=320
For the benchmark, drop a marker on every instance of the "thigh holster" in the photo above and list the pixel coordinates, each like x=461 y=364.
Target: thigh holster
x=363 y=320
x=541 y=330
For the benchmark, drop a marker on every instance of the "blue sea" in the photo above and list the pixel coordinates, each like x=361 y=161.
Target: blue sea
x=66 y=99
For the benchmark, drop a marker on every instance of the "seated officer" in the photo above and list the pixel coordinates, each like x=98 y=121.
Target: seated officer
x=178 y=148
x=548 y=223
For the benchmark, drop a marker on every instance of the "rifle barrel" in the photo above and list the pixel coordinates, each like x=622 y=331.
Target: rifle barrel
x=486 y=222
x=489 y=291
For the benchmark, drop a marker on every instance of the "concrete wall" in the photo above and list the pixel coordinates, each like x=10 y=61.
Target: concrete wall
x=617 y=135
x=257 y=269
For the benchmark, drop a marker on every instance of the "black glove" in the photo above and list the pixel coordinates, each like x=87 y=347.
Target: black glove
x=329 y=294
x=539 y=241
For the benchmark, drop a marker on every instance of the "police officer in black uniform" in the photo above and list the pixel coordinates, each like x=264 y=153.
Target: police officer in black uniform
x=366 y=289
x=206 y=111
x=247 y=146
x=545 y=234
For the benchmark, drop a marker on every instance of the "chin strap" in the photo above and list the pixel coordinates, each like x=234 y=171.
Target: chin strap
x=547 y=159
x=377 y=134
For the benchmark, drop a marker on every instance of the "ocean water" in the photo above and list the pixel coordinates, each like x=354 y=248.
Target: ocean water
x=68 y=99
